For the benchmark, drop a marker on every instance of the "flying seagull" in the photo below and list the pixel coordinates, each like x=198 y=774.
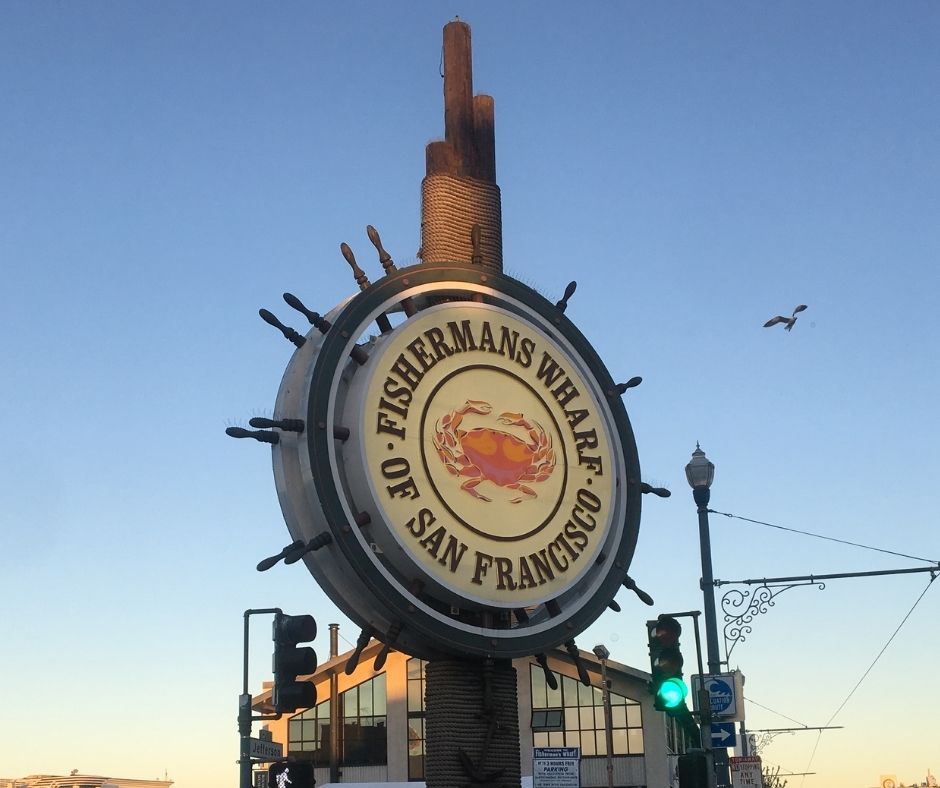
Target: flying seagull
x=788 y=320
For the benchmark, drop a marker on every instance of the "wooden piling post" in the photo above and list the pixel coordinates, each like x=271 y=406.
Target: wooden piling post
x=472 y=729
x=459 y=189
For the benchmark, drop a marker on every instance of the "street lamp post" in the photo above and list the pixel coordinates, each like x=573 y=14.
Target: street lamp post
x=701 y=472
x=602 y=653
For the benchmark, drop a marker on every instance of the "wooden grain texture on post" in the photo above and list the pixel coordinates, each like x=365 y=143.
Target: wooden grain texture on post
x=441 y=159
x=458 y=95
x=484 y=134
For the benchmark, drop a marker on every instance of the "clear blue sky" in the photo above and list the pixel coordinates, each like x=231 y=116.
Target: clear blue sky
x=168 y=168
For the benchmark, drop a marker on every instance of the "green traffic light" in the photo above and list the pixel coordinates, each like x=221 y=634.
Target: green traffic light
x=672 y=693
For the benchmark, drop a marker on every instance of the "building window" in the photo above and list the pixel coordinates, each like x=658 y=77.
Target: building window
x=308 y=734
x=583 y=717
x=548 y=719
x=416 y=718
x=365 y=740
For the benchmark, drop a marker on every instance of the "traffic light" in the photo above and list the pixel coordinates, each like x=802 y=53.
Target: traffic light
x=696 y=769
x=667 y=685
x=292 y=774
x=291 y=661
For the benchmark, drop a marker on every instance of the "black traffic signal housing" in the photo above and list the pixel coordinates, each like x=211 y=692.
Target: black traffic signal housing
x=696 y=769
x=667 y=685
x=292 y=774
x=291 y=661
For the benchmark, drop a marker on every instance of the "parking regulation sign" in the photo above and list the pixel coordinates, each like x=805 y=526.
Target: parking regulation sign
x=746 y=772
x=556 y=767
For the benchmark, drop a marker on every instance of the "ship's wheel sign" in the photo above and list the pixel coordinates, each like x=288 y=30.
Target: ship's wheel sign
x=466 y=460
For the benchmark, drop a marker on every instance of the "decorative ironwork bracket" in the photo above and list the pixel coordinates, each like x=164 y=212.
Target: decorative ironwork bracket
x=740 y=608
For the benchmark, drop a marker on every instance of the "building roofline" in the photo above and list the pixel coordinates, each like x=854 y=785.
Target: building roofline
x=262 y=700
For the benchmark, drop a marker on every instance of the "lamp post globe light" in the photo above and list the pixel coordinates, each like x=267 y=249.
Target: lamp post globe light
x=700 y=472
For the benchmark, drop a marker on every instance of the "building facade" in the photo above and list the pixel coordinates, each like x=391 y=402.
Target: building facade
x=76 y=780
x=368 y=727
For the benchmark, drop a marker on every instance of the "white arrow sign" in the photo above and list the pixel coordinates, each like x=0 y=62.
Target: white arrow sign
x=723 y=734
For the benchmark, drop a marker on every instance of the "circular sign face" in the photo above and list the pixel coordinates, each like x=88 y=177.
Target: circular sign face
x=466 y=478
x=487 y=452
x=721 y=695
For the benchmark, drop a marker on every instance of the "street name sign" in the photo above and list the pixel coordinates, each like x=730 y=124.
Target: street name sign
x=556 y=767
x=265 y=750
x=746 y=771
x=724 y=689
x=723 y=734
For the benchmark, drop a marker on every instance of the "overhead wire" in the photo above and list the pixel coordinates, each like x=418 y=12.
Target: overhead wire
x=822 y=536
x=884 y=648
x=773 y=711
x=779 y=714
x=872 y=665
x=848 y=697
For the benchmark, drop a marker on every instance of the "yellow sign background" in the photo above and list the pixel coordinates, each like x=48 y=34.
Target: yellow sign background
x=488 y=454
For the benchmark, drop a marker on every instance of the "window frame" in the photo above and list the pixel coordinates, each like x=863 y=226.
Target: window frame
x=416 y=718
x=362 y=757
x=583 y=723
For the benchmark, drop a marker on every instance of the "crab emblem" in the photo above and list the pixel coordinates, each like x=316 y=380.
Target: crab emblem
x=484 y=454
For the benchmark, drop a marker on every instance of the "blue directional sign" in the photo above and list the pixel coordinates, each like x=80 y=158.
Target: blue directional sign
x=723 y=734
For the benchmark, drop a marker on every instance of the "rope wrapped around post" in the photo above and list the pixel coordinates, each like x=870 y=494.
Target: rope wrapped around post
x=450 y=207
x=463 y=747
